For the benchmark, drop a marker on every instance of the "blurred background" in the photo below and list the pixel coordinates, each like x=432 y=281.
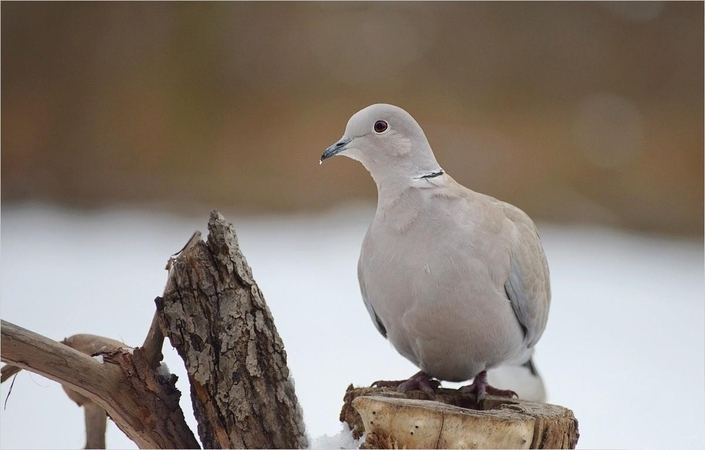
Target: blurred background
x=124 y=124
x=576 y=112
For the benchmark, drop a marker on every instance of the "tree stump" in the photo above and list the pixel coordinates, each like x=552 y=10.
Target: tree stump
x=217 y=319
x=392 y=419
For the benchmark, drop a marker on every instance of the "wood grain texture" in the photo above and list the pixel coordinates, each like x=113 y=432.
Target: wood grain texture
x=217 y=319
x=391 y=419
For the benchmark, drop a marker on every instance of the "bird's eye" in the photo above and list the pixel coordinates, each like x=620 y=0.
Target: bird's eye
x=380 y=126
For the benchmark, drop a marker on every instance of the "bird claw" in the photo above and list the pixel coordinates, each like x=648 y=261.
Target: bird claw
x=480 y=388
x=501 y=392
x=421 y=381
x=421 y=385
x=387 y=383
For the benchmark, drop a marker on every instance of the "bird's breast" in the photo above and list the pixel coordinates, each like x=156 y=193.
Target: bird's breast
x=438 y=297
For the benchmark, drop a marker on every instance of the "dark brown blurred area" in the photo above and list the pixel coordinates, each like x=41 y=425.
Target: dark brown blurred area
x=575 y=112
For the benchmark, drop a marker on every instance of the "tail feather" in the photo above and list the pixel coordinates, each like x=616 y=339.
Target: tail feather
x=523 y=379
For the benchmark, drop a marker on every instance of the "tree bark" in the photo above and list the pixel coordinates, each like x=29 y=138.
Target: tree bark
x=454 y=420
x=144 y=406
x=217 y=319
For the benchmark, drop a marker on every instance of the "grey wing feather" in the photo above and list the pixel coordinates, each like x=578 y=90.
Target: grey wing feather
x=528 y=287
x=375 y=318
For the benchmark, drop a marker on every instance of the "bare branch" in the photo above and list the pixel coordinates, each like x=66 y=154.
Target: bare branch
x=95 y=416
x=153 y=343
x=142 y=405
x=92 y=344
x=7 y=371
x=96 y=424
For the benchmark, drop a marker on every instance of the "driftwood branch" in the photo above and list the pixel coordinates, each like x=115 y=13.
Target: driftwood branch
x=452 y=419
x=144 y=406
x=153 y=343
x=95 y=417
x=7 y=371
x=96 y=425
x=216 y=317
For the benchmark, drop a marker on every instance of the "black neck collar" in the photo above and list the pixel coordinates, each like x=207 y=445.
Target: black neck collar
x=431 y=175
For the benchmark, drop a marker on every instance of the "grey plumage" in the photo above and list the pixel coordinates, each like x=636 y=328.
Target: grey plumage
x=456 y=280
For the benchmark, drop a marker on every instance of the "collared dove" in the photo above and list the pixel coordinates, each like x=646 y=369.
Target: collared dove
x=456 y=280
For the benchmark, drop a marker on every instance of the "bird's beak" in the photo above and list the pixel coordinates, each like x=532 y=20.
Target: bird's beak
x=336 y=148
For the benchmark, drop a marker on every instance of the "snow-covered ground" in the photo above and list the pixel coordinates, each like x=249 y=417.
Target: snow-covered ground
x=624 y=347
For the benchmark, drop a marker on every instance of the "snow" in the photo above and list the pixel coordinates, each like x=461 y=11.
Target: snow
x=163 y=370
x=624 y=347
x=99 y=358
x=343 y=439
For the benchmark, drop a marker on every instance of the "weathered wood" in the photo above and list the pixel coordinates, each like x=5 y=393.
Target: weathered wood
x=144 y=406
x=7 y=371
x=217 y=319
x=454 y=420
x=96 y=420
x=153 y=343
x=95 y=417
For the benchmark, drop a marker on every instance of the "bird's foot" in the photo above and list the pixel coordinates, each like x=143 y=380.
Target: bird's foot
x=480 y=388
x=421 y=381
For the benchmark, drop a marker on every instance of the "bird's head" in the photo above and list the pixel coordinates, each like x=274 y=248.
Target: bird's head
x=386 y=140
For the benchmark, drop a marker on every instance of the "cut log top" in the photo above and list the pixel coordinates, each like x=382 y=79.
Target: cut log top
x=392 y=419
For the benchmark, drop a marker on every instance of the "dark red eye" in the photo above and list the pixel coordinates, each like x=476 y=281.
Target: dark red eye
x=380 y=126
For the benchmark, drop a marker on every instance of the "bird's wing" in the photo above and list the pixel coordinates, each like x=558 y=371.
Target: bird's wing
x=375 y=318
x=528 y=286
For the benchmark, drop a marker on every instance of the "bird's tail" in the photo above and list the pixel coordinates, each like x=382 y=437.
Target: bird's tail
x=522 y=378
